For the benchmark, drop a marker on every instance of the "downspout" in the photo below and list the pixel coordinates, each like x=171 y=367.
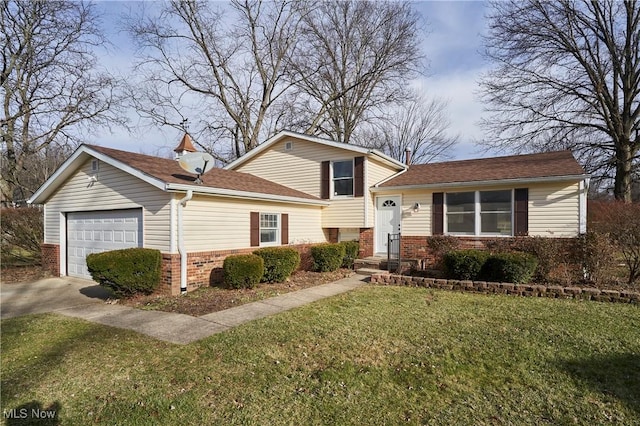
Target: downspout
x=183 y=253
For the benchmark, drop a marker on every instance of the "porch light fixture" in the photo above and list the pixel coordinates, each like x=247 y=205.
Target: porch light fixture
x=416 y=207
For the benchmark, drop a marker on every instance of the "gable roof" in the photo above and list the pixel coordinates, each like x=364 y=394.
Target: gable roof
x=167 y=175
x=547 y=166
x=346 y=146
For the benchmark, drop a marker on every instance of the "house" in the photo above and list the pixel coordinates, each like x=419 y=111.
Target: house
x=296 y=190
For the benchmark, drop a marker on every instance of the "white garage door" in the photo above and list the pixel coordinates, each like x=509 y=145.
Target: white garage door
x=98 y=231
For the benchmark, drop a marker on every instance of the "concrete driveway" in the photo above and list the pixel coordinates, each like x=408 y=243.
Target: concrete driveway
x=51 y=294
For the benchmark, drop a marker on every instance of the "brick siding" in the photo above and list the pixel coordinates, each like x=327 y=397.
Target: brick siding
x=51 y=258
x=366 y=242
x=205 y=268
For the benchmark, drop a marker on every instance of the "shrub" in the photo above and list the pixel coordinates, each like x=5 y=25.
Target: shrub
x=22 y=233
x=509 y=267
x=351 y=250
x=126 y=272
x=595 y=252
x=621 y=222
x=243 y=270
x=464 y=264
x=441 y=245
x=327 y=257
x=279 y=263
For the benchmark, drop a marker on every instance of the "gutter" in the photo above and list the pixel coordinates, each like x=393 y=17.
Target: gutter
x=183 y=253
x=243 y=194
x=569 y=178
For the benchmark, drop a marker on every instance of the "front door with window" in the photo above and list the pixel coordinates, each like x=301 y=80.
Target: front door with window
x=388 y=215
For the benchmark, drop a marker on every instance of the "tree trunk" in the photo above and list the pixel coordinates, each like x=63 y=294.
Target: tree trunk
x=622 y=182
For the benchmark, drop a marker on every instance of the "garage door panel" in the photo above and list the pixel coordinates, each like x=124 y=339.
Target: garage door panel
x=100 y=231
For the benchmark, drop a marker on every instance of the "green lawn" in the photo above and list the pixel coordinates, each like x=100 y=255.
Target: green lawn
x=377 y=355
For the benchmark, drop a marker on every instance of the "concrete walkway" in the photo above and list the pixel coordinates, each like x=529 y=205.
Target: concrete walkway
x=170 y=327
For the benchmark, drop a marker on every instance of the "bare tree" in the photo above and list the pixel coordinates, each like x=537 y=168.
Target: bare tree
x=51 y=87
x=419 y=124
x=357 y=56
x=567 y=76
x=228 y=71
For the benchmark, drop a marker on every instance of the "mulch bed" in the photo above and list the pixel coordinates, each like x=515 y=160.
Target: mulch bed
x=22 y=274
x=212 y=299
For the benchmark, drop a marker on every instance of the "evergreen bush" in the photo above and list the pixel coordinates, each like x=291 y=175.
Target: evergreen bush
x=242 y=270
x=279 y=263
x=464 y=264
x=351 y=251
x=327 y=257
x=512 y=267
x=127 y=272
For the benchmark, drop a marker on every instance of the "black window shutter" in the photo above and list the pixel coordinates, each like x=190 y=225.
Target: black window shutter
x=284 y=229
x=255 y=229
x=438 y=213
x=358 y=174
x=324 y=180
x=521 y=212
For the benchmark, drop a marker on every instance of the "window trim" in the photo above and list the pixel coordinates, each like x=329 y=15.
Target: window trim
x=332 y=179
x=278 y=230
x=477 y=231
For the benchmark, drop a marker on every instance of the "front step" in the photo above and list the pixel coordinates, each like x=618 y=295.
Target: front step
x=380 y=264
x=371 y=271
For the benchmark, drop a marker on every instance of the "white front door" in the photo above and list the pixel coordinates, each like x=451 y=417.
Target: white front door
x=388 y=215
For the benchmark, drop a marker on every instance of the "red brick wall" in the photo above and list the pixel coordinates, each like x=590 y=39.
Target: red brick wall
x=51 y=258
x=332 y=234
x=205 y=268
x=366 y=242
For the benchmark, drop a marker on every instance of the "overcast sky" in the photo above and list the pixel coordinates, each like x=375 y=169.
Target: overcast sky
x=453 y=48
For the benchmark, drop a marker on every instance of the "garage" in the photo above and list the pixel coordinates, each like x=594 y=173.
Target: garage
x=99 y=231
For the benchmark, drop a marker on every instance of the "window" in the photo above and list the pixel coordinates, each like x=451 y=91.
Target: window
x=343 y=177
x=95 y=165
x=269 y=229
x=479 y=213
x=461 y=213
x=288 y=146
x=495 y=212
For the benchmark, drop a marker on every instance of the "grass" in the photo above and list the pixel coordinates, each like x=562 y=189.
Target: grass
x=377 y=355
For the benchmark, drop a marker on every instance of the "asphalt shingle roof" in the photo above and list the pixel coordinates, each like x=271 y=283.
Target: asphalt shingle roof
x=528 y=166
x=169 y=171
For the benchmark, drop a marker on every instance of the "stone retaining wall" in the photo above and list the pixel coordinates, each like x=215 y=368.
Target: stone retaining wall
x=531 y=290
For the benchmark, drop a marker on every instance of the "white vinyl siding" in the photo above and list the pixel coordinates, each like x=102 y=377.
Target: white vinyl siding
x=298 y=168
x=113 y=190
x=416 y=223
x=221 y=223
x=348 y=234
x=554 y=210
x=345 y=213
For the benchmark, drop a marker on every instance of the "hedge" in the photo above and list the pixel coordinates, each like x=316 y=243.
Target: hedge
x=327 y=257
x=126 y=272
x=279 y=263
x=351 y=250
x=464 y=264
x=517 y=268
x=242 y=270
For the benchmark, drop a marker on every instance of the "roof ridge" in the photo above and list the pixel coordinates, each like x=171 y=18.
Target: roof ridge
x=501 y=157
